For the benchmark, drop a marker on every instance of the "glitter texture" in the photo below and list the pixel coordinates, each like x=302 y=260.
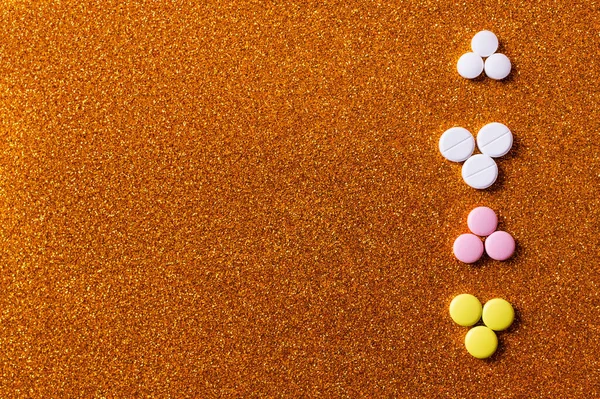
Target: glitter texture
x=246 y=199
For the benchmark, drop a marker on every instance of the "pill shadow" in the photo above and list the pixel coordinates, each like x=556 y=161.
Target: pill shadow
x=514 y=150
x=516 y=256
x=486 y=261
x=499 y=184
x=512 y=76
x=499 y=354
x=513 y=68
x=480 y=79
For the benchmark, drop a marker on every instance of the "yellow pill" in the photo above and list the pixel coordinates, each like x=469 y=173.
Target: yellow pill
x=465 y=310
x=481 y=342
x=498 y=314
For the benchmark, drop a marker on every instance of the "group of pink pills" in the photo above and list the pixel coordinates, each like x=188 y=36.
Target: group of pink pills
x=482 y=221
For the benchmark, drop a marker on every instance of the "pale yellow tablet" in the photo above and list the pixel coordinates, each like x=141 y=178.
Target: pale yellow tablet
x=465 y=310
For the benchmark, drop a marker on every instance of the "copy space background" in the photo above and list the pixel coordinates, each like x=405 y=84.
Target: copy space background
x=245 y=199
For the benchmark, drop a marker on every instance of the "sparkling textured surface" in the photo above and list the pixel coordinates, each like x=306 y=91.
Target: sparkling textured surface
x=246 y=198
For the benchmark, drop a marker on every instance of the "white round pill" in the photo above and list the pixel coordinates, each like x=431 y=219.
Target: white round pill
x=494 y=139
x=484 y=43
x=497 y=66
x=457 y=144
x=480 y=171
x=469 y=65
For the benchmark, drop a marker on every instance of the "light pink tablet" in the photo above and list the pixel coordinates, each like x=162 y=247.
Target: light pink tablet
x=468 y=248
x=482 y=221
x=500 y=245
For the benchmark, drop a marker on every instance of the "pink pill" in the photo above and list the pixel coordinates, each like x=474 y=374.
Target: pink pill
x=482 y=221
x=468 y=248
x=500 y=245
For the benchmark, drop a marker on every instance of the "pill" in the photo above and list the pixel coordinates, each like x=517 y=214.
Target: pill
x=469 y=65
x=497 y=66
x=498 y=314
x=457 y=144
x=484 y=43
x=481 y=342
x=480 y=171
x=468 y=248
x=465 y=310
x=482 y=221
x=500 y=245
x=494 y=139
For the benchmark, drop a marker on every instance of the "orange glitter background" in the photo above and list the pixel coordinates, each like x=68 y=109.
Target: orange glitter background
x=245 y=199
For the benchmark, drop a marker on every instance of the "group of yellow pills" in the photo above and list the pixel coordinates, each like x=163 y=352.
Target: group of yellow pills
x=497 y=315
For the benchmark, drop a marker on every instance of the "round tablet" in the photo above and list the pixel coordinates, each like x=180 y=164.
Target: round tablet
x=500 y=245
x=484 y=43
x=465 y=310
x=457 y=144
x=481 y=342
x=480 y=171
x=494 y=139
x=482 y=221
x=497 y=66
x=468 y=248
x=469 y=65
x=498 y=314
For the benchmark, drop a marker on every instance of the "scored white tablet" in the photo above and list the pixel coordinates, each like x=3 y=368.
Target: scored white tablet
x=480 y=171
x=457 y=144
x=494 y=139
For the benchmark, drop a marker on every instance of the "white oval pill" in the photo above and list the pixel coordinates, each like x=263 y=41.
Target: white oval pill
x=497 y=66
x=480 y=171
x=457 y=144
x=469 y=65
x=484 y=43
x=494 y=139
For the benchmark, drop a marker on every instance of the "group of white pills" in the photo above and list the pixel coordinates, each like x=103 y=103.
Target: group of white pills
x=479 y=171
x=484 y=45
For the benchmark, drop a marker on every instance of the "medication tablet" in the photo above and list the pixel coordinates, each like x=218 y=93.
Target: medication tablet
x=457 y=144
x=494 y=139
x=481 y=342
x=480 y=171
x=498 y=314
x=482 y=221
x=484 y=43
x=497 y=66
x=500 y=245
x=468 y=248
x=470 y=65
x=465 y=310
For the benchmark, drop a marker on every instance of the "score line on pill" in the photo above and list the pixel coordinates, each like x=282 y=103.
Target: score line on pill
x=480 y=171
x=494 y=139
x=457 y=144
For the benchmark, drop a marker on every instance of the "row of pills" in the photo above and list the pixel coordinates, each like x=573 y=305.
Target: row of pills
x=497 y=315
x=480 y=171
